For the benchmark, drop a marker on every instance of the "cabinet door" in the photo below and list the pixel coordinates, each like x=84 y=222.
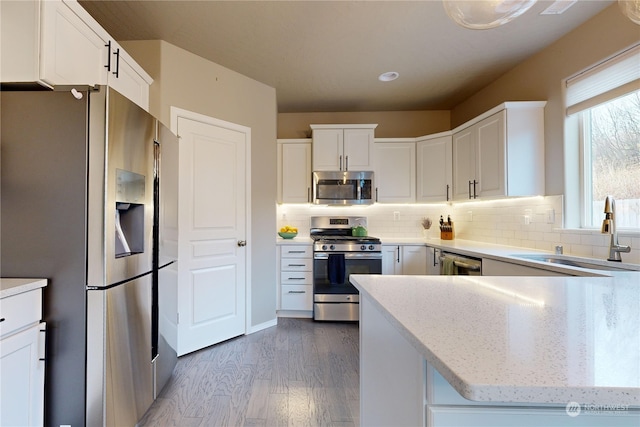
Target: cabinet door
x=490 y=155
x=433 y=261
x=434 y=170
x=463 y=163
x=294 y=172
x=395 y=172
x=126 y=77
x=358 y=150
x=327 y=149
x=22 y=379
x=391 y=259
x=70 y=52
x=414 y=260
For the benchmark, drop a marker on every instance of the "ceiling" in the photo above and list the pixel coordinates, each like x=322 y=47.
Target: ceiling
x=327 y=55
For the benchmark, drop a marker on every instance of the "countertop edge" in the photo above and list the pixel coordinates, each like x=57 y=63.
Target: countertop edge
x=14 y=286
x=556 y=396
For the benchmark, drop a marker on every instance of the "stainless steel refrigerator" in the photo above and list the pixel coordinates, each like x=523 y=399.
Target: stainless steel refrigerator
x=83 y=192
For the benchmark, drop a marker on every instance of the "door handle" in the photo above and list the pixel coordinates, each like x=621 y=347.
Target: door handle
x=242 y=243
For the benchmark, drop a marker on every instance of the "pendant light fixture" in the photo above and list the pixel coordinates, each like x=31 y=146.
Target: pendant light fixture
x=631 y=9
x=485 y=14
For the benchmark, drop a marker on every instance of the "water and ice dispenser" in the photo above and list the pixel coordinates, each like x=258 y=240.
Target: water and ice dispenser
x=130 y=197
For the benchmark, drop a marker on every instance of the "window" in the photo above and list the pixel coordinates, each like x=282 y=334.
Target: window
x=611 y=147
x=606 y=101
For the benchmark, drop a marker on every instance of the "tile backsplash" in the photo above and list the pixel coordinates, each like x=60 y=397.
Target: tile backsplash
x=531 y=222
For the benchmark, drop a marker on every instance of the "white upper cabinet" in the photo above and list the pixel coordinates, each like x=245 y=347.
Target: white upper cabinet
x=294 y=171
x=434 y=168
x=343 y=147
x=57 y=43
x=395 y=171
x=500 y=153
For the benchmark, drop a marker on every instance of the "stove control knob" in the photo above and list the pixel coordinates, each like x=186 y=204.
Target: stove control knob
x=370 y=247
x=363 y=247
x=332 y=247
x=324 y=247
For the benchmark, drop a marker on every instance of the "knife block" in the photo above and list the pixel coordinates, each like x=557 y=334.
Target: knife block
x=448 y=234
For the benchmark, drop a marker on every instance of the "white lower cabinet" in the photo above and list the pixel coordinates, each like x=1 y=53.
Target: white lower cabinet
x=22 y=352
x=404 y=259
x=295 y=277
x=399 y=387
x=433 y=260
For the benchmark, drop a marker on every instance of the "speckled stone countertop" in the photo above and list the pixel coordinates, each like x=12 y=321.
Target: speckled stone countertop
x=527 y=339
x=10 y=287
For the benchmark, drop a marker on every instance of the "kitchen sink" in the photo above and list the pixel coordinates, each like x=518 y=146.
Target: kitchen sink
x=579 y=262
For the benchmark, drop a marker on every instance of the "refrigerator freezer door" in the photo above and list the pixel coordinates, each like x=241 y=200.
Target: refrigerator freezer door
x=129 y=370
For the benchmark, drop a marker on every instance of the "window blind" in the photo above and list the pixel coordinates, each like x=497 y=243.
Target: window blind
x=605 y=81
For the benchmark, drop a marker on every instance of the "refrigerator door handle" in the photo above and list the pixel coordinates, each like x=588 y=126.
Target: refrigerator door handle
x=116 y=284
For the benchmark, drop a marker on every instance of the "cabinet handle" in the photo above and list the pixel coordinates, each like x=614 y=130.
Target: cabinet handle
x=435 y=261
x=297 y=292
x=295 y=252
x=398 y=256
x=346 y=163
x=295 y=265
x=470 y=189
x=117 y=71
x=341 y=162
x=108 y=46
x=295 y=278
x=376 y=194
x=474 y=188
x=447 y=192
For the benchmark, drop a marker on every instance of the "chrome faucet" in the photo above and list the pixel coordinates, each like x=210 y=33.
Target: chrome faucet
x=609 y=227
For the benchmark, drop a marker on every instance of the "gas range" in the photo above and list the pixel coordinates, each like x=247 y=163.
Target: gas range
x=334 y=234
x=327 y=243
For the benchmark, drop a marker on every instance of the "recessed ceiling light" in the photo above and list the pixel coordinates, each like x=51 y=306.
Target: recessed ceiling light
x=388 y=76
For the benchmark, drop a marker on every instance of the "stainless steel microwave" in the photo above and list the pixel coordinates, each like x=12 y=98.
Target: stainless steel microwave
x=343 y=188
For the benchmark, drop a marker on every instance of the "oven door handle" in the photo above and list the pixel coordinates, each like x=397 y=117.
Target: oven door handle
x=350 y=255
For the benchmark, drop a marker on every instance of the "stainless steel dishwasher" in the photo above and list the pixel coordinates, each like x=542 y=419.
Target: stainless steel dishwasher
x=459 y=265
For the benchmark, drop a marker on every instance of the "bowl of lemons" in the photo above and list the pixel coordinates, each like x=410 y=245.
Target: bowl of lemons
x=288 y=232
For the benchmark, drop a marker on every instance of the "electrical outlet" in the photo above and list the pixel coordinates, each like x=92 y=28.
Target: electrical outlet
x=551 y=216
x=527 y=220
x=396 y=216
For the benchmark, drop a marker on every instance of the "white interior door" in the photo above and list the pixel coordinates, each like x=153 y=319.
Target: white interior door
x=213 y=218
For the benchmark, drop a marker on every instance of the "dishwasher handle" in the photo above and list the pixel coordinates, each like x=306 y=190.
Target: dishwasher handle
x=469 y=266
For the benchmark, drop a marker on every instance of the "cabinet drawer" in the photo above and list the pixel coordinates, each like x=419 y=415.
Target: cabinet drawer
x=296 y=251
x=297 y=297
x=20 y=311
x=296 y=264
x=296 y=278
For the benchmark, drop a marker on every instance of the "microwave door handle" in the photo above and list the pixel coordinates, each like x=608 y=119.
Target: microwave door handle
x=359 y=192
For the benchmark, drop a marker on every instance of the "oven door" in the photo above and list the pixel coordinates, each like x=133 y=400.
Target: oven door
x=331 y=271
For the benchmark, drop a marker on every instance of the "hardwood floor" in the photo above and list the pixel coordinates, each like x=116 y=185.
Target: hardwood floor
x=299 y=373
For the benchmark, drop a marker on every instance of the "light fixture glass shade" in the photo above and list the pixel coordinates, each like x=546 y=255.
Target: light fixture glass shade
x=631 y=9
x=485 y=14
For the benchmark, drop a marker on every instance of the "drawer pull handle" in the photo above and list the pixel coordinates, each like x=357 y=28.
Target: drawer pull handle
x=297 y=292
x=295 y=252
x=295 y=278
x=2 y=319
x=295 y=265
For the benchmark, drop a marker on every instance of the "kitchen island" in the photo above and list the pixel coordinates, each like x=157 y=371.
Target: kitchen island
x=454 y=350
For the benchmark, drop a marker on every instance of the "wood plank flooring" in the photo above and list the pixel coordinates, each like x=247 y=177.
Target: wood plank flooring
x=298 y=373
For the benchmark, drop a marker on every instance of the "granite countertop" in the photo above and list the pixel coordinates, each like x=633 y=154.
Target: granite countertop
x=534 y=340
x=9 y=287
